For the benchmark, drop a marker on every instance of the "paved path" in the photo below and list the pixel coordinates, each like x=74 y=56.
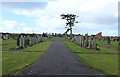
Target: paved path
x=59 y=60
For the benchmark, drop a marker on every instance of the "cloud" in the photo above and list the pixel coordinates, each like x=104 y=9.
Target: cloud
x=94 y=15
x=24 y=5
x=26 y=29
x=11 y=26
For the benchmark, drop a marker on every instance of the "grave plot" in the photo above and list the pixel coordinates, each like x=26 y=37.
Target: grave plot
x=25 y=41
x=7 y=45
x=104 y=43
x=97 y=43
x=86 y=41
x=8 y=42
x=40 y=47
x=17 y=42
x=13 y=62
x=104 y=60
x=5 y=36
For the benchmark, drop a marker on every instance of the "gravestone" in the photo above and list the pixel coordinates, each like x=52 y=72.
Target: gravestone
x=21 y=40
x=99 y=38
x=94 y=46
x=86 y=40
x=90 y=42
x=31 y=40
x=73 y=39
x=77 y=40
x=80 y=39
x=4 y=37
x=26 y=41
x=18 y=43
x=103 y=39
x=116 y=39
x=108 y=40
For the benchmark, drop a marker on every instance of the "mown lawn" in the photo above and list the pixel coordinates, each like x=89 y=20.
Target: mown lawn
x=0 y=63
x=0 y=41
x=9 y=41
x=104 y=63
x=114 y=44
x=15 y=61
x=107 y=64
x=8 y=47
x=8 y=44
x=43 y=46
x=76 y=48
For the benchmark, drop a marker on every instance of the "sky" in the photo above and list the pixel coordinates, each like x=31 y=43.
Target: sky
x=37 y=17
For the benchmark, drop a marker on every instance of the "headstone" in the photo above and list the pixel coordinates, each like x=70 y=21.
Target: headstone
x=94 y=46
x=23 y=42
x=32 y=41
x=73 y=39
x=80 y=40
x=108 y=40
x=89 y=42
x=86 y=40
x=99 y=38
x=18 y=42
x=103 y=39
x=116 y=39
x=4 y=37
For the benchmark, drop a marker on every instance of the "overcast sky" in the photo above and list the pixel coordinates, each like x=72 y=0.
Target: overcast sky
x=38 y=17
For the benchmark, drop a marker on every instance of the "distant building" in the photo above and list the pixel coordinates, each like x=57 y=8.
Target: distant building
x=99 y=34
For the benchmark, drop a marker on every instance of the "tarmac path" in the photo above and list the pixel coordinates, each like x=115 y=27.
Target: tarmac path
x=59 y=60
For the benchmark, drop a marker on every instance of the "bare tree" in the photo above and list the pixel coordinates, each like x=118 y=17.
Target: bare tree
x=70 y=21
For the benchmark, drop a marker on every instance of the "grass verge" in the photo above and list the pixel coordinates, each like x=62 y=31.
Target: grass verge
x=15 y=61
x=43 y=46
x=9 y=41
x=114 y=44
x=107 y=64
x=76 y=48
x=104 y=63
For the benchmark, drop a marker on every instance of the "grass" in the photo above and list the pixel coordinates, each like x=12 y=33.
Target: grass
x=114 y=44
x=107 y=50
x=8 y=47
x=59 y=38
x=9 y=44
x=43 y=46
x=107 y=64
x=9 y=41
x=76 y=48
x=15 y=61
x=104 y=63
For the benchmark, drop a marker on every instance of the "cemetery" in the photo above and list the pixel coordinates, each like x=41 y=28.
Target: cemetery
x=29 y=54
x=91 y=49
